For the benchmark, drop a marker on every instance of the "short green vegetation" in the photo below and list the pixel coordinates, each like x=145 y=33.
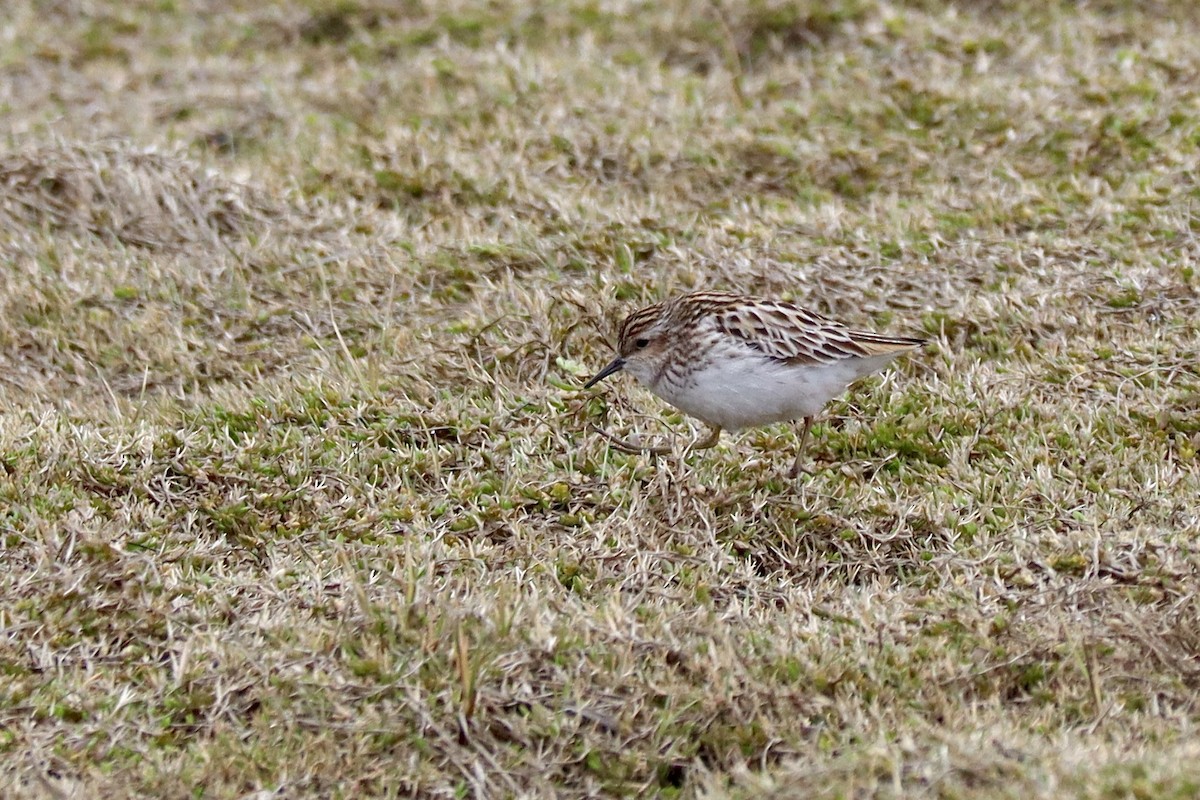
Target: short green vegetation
x=300 y=497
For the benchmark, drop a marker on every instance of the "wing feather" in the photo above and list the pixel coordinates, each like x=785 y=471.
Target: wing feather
x=795 y=335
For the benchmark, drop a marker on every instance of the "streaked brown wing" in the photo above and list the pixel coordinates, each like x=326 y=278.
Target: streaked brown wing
x=797 y=336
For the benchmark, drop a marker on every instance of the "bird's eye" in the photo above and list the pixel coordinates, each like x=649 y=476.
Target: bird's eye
x=640 y=343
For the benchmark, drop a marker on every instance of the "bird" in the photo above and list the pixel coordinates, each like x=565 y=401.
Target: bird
x=736 y=361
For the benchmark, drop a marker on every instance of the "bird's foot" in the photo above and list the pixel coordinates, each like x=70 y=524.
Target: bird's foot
x=714 y=436
x=798 y=469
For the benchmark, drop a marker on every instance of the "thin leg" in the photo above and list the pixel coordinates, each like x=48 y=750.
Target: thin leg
x=714 y=434
x=796 y=468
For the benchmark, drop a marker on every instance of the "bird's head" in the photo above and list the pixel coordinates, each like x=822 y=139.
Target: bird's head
x=642 y=346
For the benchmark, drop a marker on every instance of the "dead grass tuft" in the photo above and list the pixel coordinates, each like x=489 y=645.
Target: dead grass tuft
x=128 y=197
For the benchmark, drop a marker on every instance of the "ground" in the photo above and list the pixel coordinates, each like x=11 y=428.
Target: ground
x=300 y=495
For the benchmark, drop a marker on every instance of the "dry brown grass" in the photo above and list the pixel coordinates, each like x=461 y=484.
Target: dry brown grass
x=297 y=487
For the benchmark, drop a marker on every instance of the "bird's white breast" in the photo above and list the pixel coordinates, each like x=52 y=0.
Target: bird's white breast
x=743 y=392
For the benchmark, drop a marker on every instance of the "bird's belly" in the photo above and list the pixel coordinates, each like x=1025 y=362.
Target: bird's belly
x=744 y=393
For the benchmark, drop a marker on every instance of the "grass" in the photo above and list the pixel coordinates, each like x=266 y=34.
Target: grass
x=299 y=494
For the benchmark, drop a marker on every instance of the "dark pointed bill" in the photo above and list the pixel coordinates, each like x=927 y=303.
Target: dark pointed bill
x=616 y=365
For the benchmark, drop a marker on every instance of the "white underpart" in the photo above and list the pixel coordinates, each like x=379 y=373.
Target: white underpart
x=749 y=391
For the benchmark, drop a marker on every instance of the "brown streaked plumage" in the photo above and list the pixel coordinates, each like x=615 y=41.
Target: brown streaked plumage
x=735 y=361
